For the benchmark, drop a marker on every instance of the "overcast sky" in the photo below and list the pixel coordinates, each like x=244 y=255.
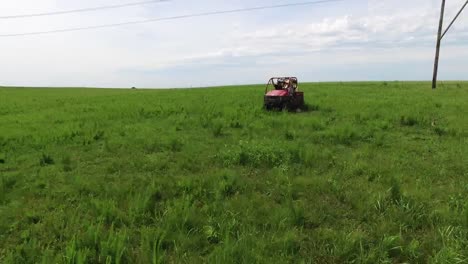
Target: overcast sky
x=336 y=41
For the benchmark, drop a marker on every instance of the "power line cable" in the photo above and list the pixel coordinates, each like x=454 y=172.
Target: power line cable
x=82 y=10
x=212 y=13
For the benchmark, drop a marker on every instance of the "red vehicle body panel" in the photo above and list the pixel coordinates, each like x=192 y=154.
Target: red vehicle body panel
x=277 y=93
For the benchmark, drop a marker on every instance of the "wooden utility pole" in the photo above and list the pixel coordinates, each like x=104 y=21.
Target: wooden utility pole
x=440 y=36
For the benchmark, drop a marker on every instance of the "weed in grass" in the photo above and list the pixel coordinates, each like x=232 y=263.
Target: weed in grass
x=451 y=250
x=289 y=135
x=75 y=255
x=8 y=182
x=98 y=135
x=108 y=211
x=395 y=191
x=298 y=218
x=154 y=146
x=379 y=140
x=113 y=249
x=251 y=154
x=312 y=107
x=46 y=160
x=465 y=210
x=152 y=246
x=289 y=244
x=345 y=136
x=3 y=141
x=380 y=205
x=67 y=164
x=152 y=204
x=228 y=185
x=392 y=245
x=457 y=202
x=217 y=129
x=211 y=234
x=408 y=121
x=176 y=145
x=440 y=131
x=236 y=124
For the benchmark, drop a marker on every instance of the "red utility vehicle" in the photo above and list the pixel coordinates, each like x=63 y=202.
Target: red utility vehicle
x=283 y=93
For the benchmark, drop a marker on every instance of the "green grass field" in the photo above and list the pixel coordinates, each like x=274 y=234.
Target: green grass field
x=372 y=173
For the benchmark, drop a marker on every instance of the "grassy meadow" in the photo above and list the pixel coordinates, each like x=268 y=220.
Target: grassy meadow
x=371 y=173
